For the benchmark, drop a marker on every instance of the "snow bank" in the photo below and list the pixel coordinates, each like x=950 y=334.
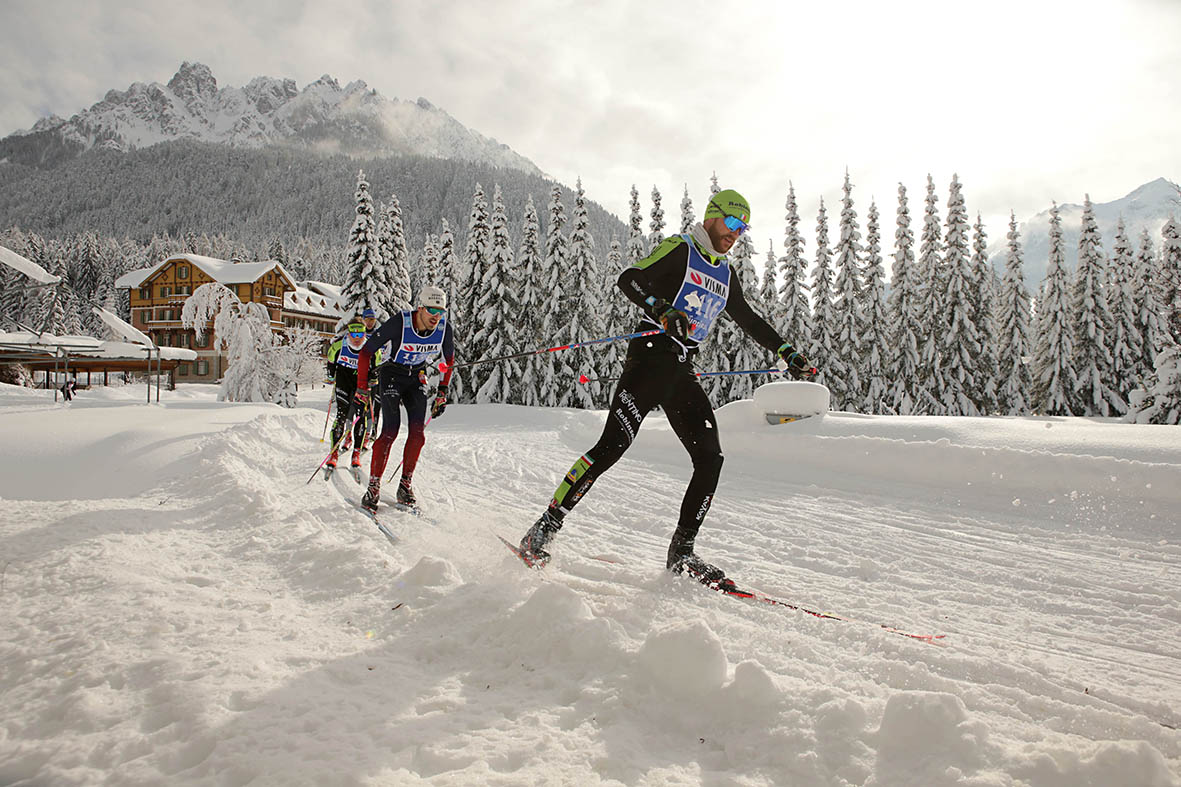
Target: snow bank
x=181 y=607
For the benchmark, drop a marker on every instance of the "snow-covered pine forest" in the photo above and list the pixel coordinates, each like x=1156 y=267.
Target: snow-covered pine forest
x=950 y=335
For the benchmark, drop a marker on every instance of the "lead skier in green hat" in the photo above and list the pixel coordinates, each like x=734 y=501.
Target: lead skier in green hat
x=683 y=286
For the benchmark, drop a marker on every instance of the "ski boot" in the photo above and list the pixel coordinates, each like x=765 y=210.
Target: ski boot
x=330 y=465
x=372 y=494
x=355 y=465
x=682 y=560
x=534 y=542
x=405 y=495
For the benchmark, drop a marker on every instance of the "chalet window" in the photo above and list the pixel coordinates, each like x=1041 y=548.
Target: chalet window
x=183 y=370
x=182 y=271
x=202 y=368
x=269 y=290
x=184 y=290
x=164 y=292
x=163 y=340
x=145 y=293
x=203 y=340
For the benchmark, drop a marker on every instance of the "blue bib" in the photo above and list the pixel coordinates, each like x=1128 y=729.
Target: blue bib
x=347 y=356
x=416 y=350
x=703 y=294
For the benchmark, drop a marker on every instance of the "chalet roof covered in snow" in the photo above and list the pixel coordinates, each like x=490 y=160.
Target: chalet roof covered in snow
x=222 y=271
x=49 y=345
x=309 y=301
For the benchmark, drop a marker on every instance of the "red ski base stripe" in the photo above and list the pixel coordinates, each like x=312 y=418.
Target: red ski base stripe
x=746 y=594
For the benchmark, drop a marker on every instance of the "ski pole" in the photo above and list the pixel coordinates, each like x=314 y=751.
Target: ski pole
x=444 y=367
x=328 y=415
x=335 y=446
x=584 y=379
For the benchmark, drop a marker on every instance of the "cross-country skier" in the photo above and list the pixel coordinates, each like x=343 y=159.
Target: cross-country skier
x=369 y=317
x=343 y=357
x=682 y=286
x=419 y=336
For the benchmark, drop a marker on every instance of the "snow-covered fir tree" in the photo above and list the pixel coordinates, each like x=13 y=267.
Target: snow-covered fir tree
x=51 y=317
x=365 y=286
x=984 y=295
x=475 y=255
x=1162 y=402
x=532 y=301
x=1124 y=339
x=844 y=365
x=392 y=242
x=904 y=319
x=769 y=304
x=793 y=289
x=637 y=243
x=687 y=218
x=932 y=309
x=823 y=340
x=618 y=317
x=1149 y=313
x=470 y=270
x=556 y=370
x=447 y=265
x=656 y=225
x=494 y=321
x=744 y=353
x=1013 y=318
x=1053 y=373
x=961 y=345
x=1170 y=278
x=1090 y=325
x=875 y=336
x=584 y=305
x=451 y=280
x=429 y=268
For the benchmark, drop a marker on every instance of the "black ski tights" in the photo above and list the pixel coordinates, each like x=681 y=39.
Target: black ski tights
x=652 y=376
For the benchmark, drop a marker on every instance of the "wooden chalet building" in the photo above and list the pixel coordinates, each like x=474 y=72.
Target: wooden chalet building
x=158 y=295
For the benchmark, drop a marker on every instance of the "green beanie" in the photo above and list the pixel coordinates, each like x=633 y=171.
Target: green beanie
x=728 y=203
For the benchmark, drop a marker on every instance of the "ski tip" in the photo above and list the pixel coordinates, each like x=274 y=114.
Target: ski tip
x=516 y=550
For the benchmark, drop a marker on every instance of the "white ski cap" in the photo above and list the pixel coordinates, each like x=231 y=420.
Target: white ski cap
x=432 y=296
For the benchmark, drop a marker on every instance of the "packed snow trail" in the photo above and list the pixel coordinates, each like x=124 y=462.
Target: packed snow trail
x=180 y=607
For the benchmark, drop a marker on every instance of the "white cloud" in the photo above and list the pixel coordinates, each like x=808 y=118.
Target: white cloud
x=1026 y=101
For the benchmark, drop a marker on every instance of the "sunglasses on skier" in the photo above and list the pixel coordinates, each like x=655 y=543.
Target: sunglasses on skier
x=733 y=223
x=434 y=310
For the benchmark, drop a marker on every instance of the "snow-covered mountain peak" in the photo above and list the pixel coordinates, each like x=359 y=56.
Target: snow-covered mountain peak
x=355 y=120
x=1147 y=207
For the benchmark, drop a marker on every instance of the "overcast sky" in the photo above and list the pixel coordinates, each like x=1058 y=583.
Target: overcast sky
x=1028 y=101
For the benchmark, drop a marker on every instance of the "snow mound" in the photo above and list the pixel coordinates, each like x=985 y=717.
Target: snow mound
x=1115 y=762
x=792 y=398
x=685 y=661
x=929 y=730
x=431 y=572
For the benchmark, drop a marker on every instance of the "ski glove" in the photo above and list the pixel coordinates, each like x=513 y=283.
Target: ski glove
x=361 y=398
x=794 y=363
x=676 y=323
x=440 y=403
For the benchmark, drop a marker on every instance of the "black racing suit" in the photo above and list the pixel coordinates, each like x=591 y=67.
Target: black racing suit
x=659 y=371
x=345 y=377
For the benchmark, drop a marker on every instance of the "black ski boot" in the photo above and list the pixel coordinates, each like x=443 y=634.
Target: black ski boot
x=372 y=494
x=405 y=495
x=682 y=560
x=534 y=542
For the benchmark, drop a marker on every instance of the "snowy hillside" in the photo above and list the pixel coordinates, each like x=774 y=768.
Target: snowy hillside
x=322 y=116
x=1146 y=208
x=179 y=607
